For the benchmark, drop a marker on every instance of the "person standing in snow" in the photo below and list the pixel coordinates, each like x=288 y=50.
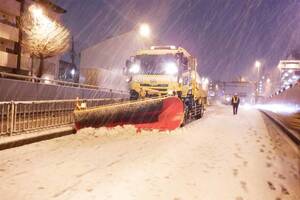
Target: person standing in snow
x=235 y=101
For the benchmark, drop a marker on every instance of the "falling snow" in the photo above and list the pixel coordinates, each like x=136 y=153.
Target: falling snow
x=226 y=36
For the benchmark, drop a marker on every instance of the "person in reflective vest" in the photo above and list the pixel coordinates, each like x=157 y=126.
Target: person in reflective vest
x=235 y=101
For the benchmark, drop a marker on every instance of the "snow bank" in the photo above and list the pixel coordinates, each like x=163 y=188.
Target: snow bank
x=127 y=130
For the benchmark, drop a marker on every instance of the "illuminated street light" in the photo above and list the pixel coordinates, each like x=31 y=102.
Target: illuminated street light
x=257 y=64
x=268 y=80
x=73 y=72
x=36 y=11
x=144 y=30
x=45 y=23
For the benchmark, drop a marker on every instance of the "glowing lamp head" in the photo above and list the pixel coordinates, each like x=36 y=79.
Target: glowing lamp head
x=257 y=64
x=171 y=68
x=145 y=30
x=135 y=68
x=36 y=11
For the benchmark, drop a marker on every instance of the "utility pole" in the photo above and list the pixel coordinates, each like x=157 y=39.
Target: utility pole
x=19 y=47
x=73 y=54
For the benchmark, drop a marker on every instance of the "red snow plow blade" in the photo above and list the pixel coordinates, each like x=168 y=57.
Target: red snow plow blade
x=161 y=114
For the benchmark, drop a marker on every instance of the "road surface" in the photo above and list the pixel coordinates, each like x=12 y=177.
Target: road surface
x=220 y=156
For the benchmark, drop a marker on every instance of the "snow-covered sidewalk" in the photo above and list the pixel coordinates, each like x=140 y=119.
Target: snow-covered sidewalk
x=218 y=157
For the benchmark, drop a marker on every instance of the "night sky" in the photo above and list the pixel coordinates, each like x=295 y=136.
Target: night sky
x=226 y=36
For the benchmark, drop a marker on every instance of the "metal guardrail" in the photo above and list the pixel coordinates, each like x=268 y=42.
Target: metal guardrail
x=17 y=117
x=58 y=82
x=283 y=122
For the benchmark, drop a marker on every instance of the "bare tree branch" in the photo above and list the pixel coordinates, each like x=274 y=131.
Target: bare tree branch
x=44 y=36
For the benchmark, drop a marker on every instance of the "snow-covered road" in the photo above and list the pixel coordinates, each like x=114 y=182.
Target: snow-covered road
x=218 y=157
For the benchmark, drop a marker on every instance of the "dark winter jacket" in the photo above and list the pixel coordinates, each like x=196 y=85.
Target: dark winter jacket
x=235 y=100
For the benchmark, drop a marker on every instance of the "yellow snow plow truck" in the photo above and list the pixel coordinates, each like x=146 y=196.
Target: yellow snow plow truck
x=166 y=71
x=165 y=92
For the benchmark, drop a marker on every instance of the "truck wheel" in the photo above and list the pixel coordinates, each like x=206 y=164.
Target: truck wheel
x=134 y=95
x=185 y=118
x=201 y=112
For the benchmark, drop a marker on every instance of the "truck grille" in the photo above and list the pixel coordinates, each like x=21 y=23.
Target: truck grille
x=159 y=89
x=150 y=85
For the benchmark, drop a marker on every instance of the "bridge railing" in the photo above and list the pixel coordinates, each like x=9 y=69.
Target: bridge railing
x=17 y=117
x=5 y=117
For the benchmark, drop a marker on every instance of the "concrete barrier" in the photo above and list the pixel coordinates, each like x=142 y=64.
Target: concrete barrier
x=18 y=90
x=285 y=107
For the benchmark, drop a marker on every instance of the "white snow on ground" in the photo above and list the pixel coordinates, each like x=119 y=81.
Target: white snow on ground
x=218 y=157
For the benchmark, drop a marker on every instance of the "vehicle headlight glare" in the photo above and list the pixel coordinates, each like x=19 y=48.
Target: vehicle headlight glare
x=135 y=68
x=171 y=68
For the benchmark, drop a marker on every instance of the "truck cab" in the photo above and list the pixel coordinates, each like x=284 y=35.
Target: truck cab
x=163 y=71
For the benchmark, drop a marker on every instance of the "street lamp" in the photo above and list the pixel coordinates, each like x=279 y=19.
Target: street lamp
x=36 y=11
x=73 y=72
x=145 y=30
x=258 y=66
x=45 y=24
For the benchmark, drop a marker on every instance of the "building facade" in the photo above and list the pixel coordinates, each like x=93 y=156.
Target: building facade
x=289 y=72
x=13 y=58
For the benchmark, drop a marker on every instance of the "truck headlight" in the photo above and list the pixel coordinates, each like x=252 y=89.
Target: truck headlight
x=170 y=92
x=171 y=68
x=135 y=68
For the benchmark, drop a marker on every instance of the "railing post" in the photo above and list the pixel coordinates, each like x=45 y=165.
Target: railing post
x=12 y=120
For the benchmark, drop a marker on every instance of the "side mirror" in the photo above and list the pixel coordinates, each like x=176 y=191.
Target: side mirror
x=128 y=63
x=125 y=70
x=185 y=61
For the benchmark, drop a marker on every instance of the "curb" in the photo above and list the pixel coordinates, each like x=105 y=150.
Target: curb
x=291 y=134
x=16 y=141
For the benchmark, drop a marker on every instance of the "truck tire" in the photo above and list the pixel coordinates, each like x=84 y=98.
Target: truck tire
x=133 y=95
x=201 y=112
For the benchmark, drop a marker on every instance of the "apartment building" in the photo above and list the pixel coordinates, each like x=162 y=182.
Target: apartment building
x=13 y=58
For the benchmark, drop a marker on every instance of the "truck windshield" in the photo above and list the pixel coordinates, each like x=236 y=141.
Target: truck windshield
x=157 y=64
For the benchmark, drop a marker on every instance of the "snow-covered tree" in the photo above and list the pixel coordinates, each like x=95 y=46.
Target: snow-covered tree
x=43 y=37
